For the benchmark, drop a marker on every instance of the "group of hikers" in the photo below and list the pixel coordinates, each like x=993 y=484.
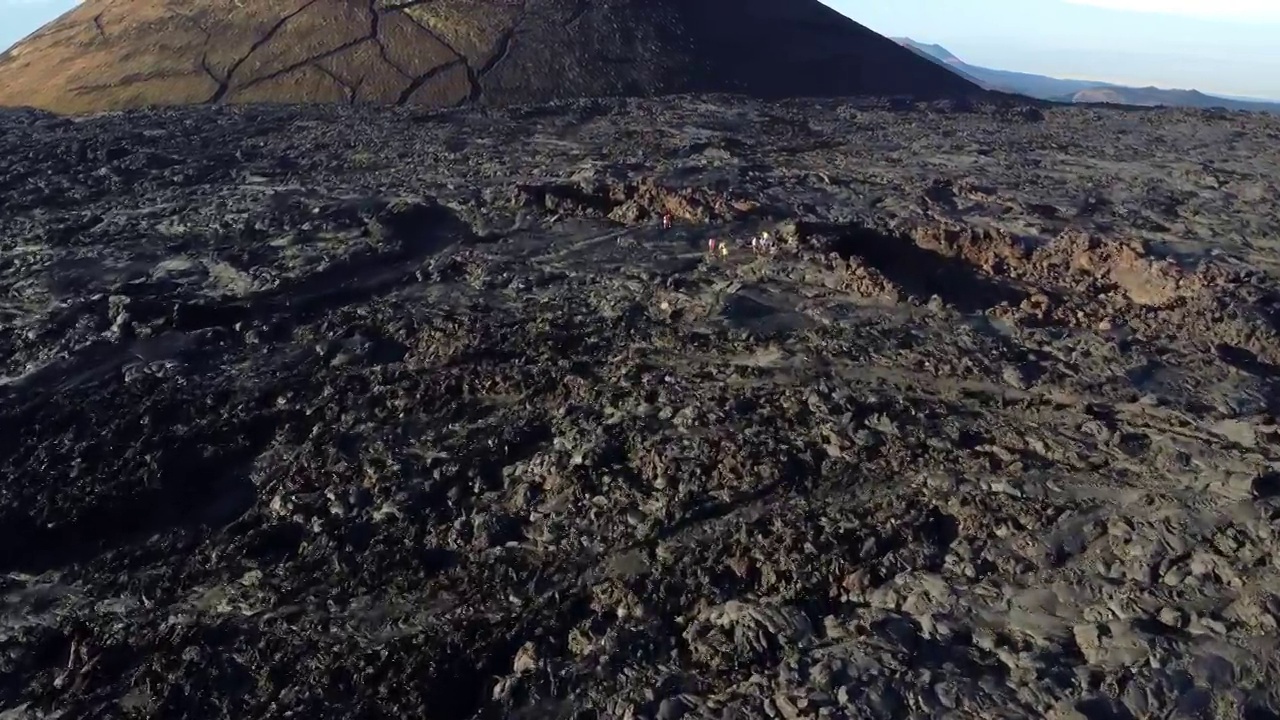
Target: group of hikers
x=761 y=244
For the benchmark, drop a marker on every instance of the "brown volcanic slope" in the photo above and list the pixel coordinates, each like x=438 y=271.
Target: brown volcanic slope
x=116 y=54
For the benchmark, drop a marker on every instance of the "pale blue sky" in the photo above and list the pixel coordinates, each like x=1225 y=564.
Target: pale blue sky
x=18 y=18
x=1221 y=46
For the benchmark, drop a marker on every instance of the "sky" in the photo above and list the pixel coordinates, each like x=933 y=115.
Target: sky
x=18 y=18
x=1225 y=47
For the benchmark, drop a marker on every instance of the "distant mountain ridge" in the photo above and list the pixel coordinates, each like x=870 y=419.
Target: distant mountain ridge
x=1082 y=91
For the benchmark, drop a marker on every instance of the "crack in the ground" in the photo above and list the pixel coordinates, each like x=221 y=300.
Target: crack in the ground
x=204 y=52
x=347 y=88
x=375 y=30
x=373 y=35
x=306 y=61
x=224 y=85
x=97 y=25
x=422 y=79
x=403 y=5
x=434 y=35
x=501 y=50
x=204 y=65
x=466 y=62
x=132 y=81
x=579 y=9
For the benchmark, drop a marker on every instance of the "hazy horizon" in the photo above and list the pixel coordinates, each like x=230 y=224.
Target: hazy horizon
x=1222 y=48
x=1226 y=47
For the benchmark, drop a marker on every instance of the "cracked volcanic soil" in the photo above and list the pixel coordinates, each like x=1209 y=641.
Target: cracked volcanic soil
x=339 y=412
x=118 y=54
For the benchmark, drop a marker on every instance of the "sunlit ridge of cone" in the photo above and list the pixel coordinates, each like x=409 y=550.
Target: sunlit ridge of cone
x=117 y=54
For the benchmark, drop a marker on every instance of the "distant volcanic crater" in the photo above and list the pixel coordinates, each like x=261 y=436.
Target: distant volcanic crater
x=118 y=54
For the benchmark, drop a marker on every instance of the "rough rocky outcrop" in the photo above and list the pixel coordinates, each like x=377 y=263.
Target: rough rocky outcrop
x=339 y=412
x=114 y=54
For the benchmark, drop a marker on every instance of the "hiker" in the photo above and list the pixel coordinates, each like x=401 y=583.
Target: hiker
x=666 y=221
x=711 y=245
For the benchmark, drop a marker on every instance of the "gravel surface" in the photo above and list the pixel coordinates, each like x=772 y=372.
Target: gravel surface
x=329 y=412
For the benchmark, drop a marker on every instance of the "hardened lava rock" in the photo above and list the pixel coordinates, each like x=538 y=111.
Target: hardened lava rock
x=343 y=413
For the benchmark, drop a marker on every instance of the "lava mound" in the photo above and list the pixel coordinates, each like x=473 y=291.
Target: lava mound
x=119 y=54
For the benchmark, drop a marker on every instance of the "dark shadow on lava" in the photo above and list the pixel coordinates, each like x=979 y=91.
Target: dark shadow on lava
x=193 y=489
x=920 y=272
x=712 y=511
x=1265 y=486
x=1268 y=306
x=1244 y=359
x=940 y=530
x=1247 y=361
x=413 y=232
x=760 y=319
x=1103 y=708
x=797 y=475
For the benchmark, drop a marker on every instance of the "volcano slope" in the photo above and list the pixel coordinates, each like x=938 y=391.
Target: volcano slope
x=116 y=54
x=332 y=412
